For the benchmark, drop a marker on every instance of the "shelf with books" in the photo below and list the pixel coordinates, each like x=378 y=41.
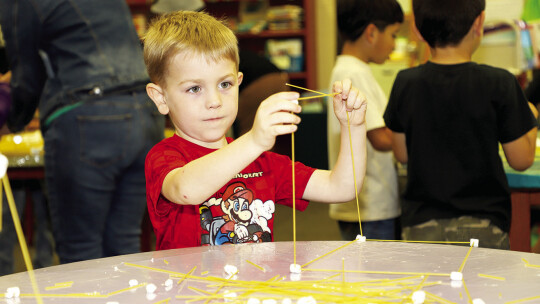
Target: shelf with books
x=255 y=23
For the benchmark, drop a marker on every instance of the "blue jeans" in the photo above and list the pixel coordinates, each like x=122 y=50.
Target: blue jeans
x=378 y=230
x=94 y=169
x=43 y=240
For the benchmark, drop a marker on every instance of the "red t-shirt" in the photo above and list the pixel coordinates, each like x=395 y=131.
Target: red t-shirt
x=241 y=211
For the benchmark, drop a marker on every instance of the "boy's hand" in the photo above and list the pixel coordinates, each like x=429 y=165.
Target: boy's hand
x=274 y=118
x=351 y=100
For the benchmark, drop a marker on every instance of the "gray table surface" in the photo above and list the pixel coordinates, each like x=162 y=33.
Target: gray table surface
x=353 y=272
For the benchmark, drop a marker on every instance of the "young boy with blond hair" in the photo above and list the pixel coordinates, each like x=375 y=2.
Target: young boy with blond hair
x=448 y=117
x=206 y=189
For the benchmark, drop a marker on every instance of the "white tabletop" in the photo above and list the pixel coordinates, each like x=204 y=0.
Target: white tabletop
x=375 y=272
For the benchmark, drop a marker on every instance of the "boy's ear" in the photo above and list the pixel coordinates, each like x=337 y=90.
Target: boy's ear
x=371 y=32
x=417 y=33
x=478 y=25
x=240 y=77
x=157 y=94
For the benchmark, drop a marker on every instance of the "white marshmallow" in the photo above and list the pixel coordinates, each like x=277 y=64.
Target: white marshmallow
x=474 y=242
x=307 y=300
x=456 y=276
x=295 y=268
x=3 y=165
x=418 y=297
x=360 y=238
x=230 y=269
x=478 y=301
x=133 y=282
x=150 y=288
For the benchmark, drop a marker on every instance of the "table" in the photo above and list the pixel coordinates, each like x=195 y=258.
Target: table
x=525 y=187
x=332 y=271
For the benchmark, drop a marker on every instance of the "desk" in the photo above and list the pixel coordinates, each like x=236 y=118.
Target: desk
x=525 y=188
x=334 y=271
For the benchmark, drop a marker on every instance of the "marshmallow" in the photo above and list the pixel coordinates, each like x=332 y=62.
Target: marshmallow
x=456 y=276
x=230 y=269
x=295 y=268
x=253 y=301
x=229 y=296
x=478 y=301
x=150 y=288
x=360 y=238
x=133 y=282
x=307 y=300
x=474 y=242
x=418 y=297
x=3 y=165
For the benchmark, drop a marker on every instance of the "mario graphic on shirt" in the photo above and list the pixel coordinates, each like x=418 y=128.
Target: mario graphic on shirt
x=244 y=218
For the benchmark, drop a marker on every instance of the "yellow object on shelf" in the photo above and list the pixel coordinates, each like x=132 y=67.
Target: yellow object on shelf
x=24 y=149
x=22 y=143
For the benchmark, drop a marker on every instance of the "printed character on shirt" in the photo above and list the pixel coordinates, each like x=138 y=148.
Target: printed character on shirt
x=244 y=219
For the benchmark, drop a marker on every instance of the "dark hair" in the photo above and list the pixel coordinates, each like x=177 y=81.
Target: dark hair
x=353 y=16
x=445 y=23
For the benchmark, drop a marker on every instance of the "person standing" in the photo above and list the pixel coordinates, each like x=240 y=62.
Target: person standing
x=81 y=63
x=368 y=29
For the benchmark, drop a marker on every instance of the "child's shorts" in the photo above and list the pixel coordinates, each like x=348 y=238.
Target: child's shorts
x=460 y=229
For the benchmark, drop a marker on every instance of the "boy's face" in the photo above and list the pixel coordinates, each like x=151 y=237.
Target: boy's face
x=385 y=43
x=202 y=98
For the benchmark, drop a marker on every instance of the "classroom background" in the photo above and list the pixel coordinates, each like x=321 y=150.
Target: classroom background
x=300 y=38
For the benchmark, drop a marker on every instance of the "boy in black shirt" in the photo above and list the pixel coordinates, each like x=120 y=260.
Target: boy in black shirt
x=448 y=117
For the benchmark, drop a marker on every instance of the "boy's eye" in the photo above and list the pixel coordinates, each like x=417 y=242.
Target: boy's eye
x=194 y=89
x=225 y=85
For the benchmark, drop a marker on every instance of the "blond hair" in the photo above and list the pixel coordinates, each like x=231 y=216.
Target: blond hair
x=183 y=31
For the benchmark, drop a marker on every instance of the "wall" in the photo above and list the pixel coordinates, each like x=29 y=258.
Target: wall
x=326 y=40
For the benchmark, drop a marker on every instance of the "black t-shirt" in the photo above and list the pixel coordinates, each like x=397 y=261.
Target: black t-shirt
x=453 y=118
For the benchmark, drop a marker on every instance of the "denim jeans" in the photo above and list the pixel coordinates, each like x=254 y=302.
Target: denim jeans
x=43 y=240
x=94 y=169
x=377 y=230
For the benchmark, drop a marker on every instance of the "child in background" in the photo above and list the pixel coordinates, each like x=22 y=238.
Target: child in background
x=368 y=29
x=204 y=188
x=448 y=117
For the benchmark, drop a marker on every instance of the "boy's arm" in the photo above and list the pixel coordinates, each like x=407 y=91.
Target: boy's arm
x=520 y=152
x=380 y=139
x=399 y=147
x=337 y=185
x=201 y=178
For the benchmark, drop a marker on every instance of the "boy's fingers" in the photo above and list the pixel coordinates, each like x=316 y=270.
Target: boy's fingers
x=290 y=95
x=347 y=84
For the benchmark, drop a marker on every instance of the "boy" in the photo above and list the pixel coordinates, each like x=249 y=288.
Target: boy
x=205 y=189
x=448 y=117
x=368 y=29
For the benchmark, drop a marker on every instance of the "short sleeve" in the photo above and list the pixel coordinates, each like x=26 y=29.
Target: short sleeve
x=159 y=162
x=391 y=114
x=516 y=118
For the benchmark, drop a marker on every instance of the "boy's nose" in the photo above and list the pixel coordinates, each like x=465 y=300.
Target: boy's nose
x=214 y=100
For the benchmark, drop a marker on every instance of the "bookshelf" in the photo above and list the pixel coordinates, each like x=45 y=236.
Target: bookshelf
x=231 y=11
